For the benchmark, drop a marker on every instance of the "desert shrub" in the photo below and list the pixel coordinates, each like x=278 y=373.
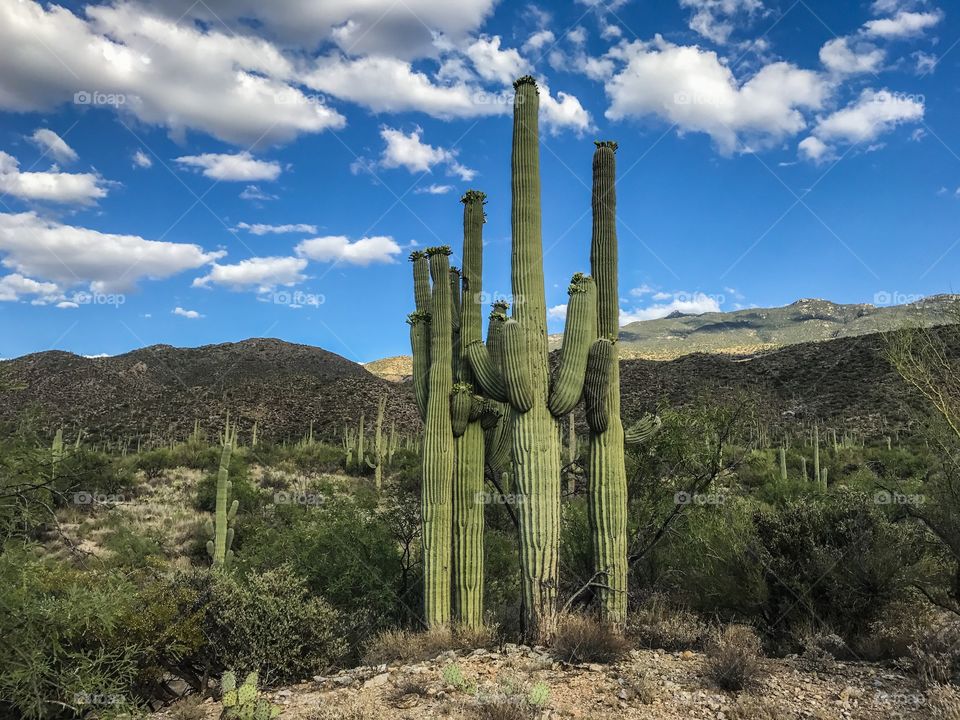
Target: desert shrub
x=943 y=702
x=734 y=657
x=935 y=654
x=134 y=548
x=658 y=624
x=758 y=468
x=242 y=489
x=318 y=458
x=406 y=646
x=582 y=639
x=188 y=708
x=269 y=622
x=840 y=554
x=749 y=707
x=66 y=637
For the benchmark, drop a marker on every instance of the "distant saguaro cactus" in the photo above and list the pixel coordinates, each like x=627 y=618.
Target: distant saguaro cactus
x=219 y=547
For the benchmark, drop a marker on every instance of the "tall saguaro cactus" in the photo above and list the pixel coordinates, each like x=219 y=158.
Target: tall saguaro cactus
x=524 y=379
x=222 y=527
x=607 y=479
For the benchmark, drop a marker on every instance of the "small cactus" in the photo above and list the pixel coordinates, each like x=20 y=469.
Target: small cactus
x=244 y=703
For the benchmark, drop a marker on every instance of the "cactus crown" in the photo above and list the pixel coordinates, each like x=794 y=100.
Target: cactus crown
x=462 y=387
x=474 y=196
x=418 y=316
x=501 y=306
x=578 y=283
x=438 y=250
x=525 y=80
x=606 y=144
x=416 y=255
x=454 y=270
x=498 y=315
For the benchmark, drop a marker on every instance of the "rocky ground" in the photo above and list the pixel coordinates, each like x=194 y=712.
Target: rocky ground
x=521 y=682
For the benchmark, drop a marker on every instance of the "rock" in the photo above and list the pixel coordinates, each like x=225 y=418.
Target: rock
x=594 y=667
x=377 y=680
x=687 y=655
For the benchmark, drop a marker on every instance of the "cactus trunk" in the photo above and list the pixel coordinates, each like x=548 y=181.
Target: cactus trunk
x=607 y=478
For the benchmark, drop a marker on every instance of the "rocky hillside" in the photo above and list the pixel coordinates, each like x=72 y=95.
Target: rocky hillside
x=647 y=685
x=162 y=390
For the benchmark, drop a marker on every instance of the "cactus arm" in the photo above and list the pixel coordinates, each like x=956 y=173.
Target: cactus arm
x=487 y=374
x=420 y=347
x=517 y=375
x=599 y=366
x=642 y=430
x=438 y=449
x=579 y=332
x=461 y=406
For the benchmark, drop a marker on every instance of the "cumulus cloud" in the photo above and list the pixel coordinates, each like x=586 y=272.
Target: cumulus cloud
x=142 y=160
x=716 y=20
x=846 y=56
x=694 y=89
x=338 y=248
x=264 y=273
x=407 y=150
x=434 y=189
x=253 y=192
x=686 y=303
x=538 y=40
x=126 y=58
x=240 y=166
x=261 y=229
x=52 y=185
x=557 y=312
x=815 y=150
x=53 y=144
x=495 y=64
x=903 y=24
x=70 y=255
x=873 y=114
x=189 y=314
x=15 y=287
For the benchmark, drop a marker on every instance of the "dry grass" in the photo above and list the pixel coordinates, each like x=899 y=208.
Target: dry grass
x=504 y=708
x=657 y=625
x=188 y=708
x=406 y=646
x=735 y=658
x=581 y=639
x=750 y=707
x=935 y=655
x=944 y=702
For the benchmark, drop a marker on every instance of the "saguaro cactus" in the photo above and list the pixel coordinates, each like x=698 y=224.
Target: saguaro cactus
x=607 y=479
x=378 y=458
x=524 y=380
x=222 y=527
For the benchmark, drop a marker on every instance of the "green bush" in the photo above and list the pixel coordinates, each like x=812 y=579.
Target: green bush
x=270 y=623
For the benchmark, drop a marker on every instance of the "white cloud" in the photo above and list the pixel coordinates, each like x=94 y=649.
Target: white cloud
x=557 y=312
x=70 y=255
x=241 y=166
x=695 y=90
x=123 y=57
x=434 y=189
x=410 y=152
x=190 y=314
x=142 y=160
x=337 y=248
x=840 y=57
x=54 y=145
x=903 y=24
x=716 y=20
x=538 y=40
x=52 y=185
x=15 y=286
x=253 y=192
x=814 y=149
x=263 y=272
x=261 y=229
x=493 y=64
x=661 y=296
x=873 y=114
x=926 y=62
x=641 y=290
x=564 y=111
x=687 y=303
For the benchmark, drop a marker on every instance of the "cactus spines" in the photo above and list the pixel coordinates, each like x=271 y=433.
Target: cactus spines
x=438 y=450
x=606 y=475
x=579 y=332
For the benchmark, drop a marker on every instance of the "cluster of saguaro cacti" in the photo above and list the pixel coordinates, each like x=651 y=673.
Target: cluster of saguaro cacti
x=225 y=511
x=244 y=702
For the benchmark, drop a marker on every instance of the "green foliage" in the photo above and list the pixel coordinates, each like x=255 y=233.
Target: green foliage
x=270 y=623
x=244 y=702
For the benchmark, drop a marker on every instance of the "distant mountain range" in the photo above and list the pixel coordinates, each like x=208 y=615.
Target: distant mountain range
x=746 y=332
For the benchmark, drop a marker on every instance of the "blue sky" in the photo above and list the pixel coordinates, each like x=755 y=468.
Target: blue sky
x=197 y=172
